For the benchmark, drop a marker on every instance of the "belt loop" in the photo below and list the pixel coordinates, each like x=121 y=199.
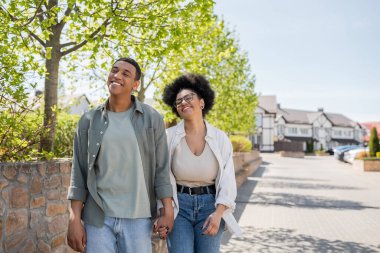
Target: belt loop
x=208 y=190
x=181 y=189
x=190 y=191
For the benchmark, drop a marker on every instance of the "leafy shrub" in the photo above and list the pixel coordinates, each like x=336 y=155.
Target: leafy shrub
x=64 y=136
x=309 y=146
x=373 y=142
x=362 y=154
x=240 y=143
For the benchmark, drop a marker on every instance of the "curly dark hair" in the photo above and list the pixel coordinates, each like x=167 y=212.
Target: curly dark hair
x=194 y=82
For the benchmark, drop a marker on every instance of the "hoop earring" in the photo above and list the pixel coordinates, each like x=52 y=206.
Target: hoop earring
x=202 y=107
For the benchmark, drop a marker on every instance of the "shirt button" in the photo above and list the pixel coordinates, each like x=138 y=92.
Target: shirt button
x=97 y=144
x=101 y=132
x=93 y=155
x=105 y=123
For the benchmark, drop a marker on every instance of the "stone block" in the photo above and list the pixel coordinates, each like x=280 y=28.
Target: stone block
x=37 y=202
x=53 y=195
x=16 y=221
x=43 y=247
x=3 y=183
x=13 y=242
x=66 y=180
x=36 y=185
x=10 y=173
x=58 y=224
x=54 y=209
x=2 y=208
x=65 y=167
x=28 y=247
x=19 y=197
x=52 y=168
x=52 y=182
x=22 y=178
x=58 y=241
x=41 y=167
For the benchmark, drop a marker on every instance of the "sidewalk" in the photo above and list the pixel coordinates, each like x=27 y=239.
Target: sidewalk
x=314 y=204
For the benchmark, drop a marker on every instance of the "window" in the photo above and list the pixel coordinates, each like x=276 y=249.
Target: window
x=292 y=130
x=259 y=120
x=338 y=132
x=304 y=131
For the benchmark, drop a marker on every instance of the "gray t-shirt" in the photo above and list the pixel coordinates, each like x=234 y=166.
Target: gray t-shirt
x=119 y=170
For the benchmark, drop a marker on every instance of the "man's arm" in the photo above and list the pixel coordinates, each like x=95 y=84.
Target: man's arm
x=76 y=235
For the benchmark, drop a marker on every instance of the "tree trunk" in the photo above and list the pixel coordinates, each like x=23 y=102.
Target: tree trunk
x=141 y=91
x=51 y=94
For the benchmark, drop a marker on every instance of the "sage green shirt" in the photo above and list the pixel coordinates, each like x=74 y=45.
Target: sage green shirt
x=121 y=184
x=151 y=138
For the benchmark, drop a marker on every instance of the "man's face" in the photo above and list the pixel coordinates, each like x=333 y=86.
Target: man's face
x=121 y=79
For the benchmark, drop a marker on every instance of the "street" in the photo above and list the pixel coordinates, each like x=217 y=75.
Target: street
x=311 y=204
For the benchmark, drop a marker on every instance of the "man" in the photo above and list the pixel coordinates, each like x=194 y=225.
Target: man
x=120 y=168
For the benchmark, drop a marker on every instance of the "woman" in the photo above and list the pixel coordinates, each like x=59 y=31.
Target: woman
x=202 y=171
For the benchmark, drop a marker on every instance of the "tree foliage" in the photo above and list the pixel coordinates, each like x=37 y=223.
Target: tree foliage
x=51 y=30
x=374 y=145
x=217 y=56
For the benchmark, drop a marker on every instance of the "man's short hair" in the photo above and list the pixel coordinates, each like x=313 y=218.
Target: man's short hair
x=134 y=63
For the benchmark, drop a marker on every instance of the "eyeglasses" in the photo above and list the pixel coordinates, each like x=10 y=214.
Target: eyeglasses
x=188 y=98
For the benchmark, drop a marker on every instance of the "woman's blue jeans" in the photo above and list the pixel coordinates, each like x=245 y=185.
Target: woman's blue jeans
x=186 y=236
x=120 y=235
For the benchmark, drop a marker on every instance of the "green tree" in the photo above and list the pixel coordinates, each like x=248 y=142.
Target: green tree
x=374 y=145
x=52 y=30
x=217 y=56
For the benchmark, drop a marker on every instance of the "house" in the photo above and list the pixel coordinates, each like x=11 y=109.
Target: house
x=323 y=129
x=265 y=115
x=368 y=127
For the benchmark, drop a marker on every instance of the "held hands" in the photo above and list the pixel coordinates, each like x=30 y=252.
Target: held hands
x=76 y=235
x=164 y=224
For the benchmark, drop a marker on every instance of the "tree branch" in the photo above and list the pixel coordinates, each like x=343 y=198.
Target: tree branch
x=37 y=38
x=92 y=35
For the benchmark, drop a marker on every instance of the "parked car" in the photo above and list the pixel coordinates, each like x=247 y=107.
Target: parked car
x=339 y=151
x=350 y=155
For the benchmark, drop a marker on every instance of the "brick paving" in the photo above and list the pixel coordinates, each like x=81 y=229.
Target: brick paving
x=311 y=204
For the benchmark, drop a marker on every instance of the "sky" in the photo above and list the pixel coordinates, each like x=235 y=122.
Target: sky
x=312 y=53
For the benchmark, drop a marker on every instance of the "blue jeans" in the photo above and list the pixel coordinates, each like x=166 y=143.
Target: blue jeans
x=120 y=235
x=186 y=236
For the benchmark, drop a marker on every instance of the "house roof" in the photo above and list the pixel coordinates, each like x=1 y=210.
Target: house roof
x=268 y=103
x=369 y=126
x=340 y=120
x=308 y=117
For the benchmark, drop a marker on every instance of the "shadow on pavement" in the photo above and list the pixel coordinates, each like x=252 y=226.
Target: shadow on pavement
x=243 y=196
x=289 y=185
x=304 y=201
x=286 y=240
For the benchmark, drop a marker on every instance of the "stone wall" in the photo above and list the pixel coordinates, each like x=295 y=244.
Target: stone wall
x=33 y=206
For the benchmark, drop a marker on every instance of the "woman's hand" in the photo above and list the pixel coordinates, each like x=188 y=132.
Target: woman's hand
x=212 y=223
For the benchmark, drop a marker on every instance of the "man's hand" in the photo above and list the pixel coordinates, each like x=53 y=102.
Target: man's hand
x=164 y=224
x=76 y=235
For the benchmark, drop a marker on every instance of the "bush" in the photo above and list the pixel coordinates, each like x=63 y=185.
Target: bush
x=240 y=143
x=64 y=135
x=309 y=146
x=362 y=154
x=373 y=143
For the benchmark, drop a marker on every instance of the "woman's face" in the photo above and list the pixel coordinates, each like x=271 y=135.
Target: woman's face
x=188 y=104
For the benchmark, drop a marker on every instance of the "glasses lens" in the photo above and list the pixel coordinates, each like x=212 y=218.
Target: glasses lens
x=188 y=98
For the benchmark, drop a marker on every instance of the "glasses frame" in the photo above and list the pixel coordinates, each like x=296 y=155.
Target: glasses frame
x=187 y=98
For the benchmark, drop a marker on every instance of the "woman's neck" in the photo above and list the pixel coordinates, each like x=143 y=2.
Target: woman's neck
x=195 y=126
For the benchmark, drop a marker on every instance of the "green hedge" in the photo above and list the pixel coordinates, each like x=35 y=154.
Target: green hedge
x=21 y=138
x=240 y=143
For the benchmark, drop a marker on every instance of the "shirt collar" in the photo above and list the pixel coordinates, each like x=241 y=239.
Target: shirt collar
x=136 y=106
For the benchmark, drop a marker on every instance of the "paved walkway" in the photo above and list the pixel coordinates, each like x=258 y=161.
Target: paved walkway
x=314 y=204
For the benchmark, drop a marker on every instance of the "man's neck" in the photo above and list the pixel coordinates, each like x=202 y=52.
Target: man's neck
x=119 y=104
